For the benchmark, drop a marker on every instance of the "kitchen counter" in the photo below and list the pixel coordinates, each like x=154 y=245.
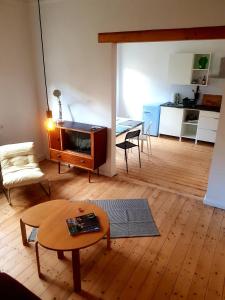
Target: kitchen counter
x=200 y=107
x=198 y=123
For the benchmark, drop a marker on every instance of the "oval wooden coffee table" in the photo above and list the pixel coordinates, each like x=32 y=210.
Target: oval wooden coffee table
x=36 y=214
x=53 y=234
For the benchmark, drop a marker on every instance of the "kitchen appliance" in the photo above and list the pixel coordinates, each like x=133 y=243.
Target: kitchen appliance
x=151 y=114
x=187 y=102
x=177 y=99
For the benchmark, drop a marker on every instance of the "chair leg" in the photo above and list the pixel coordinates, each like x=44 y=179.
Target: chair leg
x=150 y=144
x=139 y=156
x=147 y=141
x=38 y=260
x=49 y=189
x=126 y=159
x=47 y=192
x=7 y=195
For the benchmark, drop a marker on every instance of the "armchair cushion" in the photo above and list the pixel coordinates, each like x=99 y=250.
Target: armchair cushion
x=14 y=150
x=18 y=165
x=14 y=177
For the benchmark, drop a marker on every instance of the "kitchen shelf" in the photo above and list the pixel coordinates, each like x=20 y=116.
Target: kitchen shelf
x=195 y=84
x=185 y=69
x=197 y=57
x=189 y=136
x=191 y=123
x=199 y=69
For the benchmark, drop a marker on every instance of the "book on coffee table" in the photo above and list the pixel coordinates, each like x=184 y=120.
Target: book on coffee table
x=83 y=224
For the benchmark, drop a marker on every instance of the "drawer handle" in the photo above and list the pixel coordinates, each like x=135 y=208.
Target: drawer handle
x=58 y=155
x=82 y=161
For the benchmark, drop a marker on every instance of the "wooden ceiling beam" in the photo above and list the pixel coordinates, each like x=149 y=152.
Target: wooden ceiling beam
x=160 y=35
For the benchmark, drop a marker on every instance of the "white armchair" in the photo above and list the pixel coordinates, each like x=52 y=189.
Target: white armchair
x=19 y=167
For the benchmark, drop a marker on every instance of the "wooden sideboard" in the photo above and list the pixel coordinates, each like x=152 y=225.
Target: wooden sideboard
x=78 y=144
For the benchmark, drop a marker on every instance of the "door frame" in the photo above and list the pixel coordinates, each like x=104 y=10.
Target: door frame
x=154 y=35
x=162 y=35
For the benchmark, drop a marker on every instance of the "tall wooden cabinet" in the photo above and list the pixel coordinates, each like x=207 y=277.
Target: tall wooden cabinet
x=78 y=144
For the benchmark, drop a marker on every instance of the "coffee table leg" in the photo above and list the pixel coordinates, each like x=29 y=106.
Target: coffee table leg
x=23 y=233
x=108 y=240
x=38 y=260
x=60 y=254
x=76 y=270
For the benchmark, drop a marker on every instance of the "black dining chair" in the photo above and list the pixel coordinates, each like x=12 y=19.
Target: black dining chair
x=128 y=145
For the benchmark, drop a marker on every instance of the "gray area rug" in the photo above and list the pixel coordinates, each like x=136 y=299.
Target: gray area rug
x=129 y=217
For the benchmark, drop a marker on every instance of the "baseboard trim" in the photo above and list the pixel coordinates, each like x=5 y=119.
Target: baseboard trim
x=105 y=173
x=207 y=201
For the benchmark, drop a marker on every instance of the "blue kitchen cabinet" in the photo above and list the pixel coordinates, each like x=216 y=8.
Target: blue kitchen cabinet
x=151 y=113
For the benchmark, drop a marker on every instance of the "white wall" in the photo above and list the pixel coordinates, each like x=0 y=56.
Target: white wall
x=215 y=195
x=72 y=65
x=143 y=73
x=19 y=116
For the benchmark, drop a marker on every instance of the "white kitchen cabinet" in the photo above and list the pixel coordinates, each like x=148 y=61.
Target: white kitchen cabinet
x=180 y=68
x=207 y=126
x=171 y=121
x=185 y=69
x=206 y=135
x=195 y=124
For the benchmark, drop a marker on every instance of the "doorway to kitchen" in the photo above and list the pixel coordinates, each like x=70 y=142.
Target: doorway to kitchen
x=180 y=166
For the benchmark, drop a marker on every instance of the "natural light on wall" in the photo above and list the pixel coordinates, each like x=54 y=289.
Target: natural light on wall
x=136 y=89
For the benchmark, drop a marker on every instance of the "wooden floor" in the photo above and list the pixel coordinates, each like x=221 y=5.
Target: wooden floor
x=186 y=262
x=176 y=166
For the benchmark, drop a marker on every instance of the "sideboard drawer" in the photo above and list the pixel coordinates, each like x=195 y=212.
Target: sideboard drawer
x=55 y=155
x=71 y=158
x=80 y=161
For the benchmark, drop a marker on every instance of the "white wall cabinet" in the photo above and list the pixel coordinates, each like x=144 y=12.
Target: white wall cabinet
x=170 y=121
x=195 y=124
x=180 y=68
x=187 y=68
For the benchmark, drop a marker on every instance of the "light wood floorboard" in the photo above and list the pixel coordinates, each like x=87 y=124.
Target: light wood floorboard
x=176 y=166
x=185 y=262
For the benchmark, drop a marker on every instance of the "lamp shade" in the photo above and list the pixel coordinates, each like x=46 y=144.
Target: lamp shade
x=49 y=124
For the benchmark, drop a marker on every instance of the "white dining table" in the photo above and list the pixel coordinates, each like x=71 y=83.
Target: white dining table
x=124 y=125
